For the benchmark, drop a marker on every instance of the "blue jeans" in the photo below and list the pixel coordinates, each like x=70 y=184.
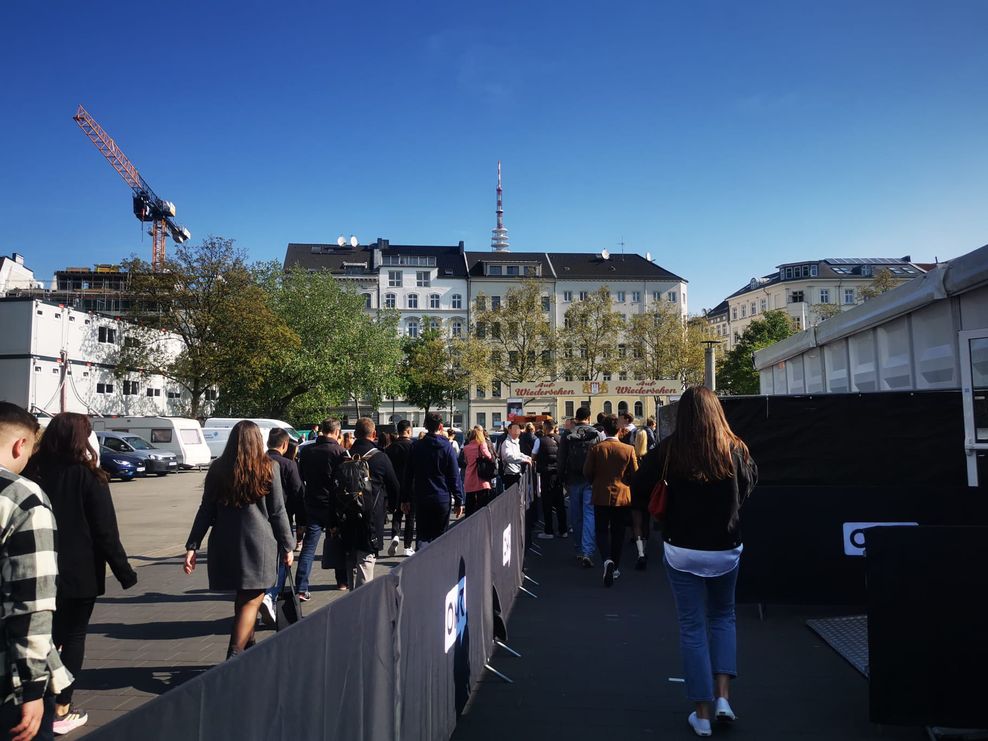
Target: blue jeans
x=707 y=635
x=581 y=518
x=309 y=544
x=275 y=591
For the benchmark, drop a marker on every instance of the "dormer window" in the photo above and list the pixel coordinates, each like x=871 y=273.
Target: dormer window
x=494 y=270
x=512 y=270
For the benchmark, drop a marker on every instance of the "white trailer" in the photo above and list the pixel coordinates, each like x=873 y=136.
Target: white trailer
x=179 y=435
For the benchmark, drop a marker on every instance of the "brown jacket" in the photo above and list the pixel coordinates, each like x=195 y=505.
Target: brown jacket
x=609 y=468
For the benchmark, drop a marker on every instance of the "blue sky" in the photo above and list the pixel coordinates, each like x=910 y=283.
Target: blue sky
x=723 y=137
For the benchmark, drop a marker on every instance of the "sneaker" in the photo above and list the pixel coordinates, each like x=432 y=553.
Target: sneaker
x=564 y=535
x=608 y=572
x=393 y=548
x=617 y=573
x=586 y=562
x=545 y=536
x=409 y=551
x=641 y=564
x=723 y=713
x=72 y=719
x=304 y=596
x=343 y=587
x=266 y=611
x=700 y=726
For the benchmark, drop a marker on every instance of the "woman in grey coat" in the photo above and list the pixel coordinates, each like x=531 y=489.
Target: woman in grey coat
x=244 y=504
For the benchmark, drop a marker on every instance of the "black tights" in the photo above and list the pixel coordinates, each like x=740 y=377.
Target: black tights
x=68 y=632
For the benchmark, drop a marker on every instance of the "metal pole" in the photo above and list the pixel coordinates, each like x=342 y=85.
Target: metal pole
x=709 y=366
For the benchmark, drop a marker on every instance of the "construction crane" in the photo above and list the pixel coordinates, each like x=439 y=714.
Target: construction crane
x=147 y=206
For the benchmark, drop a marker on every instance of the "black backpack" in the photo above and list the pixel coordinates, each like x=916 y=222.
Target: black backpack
x=578 y=445
x=486 y=468
x=547 y=459
x=354 y=490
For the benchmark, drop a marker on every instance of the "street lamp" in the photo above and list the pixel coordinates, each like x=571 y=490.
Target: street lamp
x=709 y=367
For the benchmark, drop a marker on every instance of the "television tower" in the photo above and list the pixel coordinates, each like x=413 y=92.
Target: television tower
x=499 y=235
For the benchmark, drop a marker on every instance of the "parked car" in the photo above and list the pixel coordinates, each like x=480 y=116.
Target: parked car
x=123 y=466
x=179 y=435
x=156 y=460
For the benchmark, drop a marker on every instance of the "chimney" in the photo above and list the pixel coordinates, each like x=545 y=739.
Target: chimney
x=18 y=258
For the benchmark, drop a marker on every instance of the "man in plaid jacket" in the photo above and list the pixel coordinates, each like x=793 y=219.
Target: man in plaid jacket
x=30 y=668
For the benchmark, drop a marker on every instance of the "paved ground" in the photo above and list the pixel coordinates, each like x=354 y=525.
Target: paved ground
x=168 y=628
x=596 y=664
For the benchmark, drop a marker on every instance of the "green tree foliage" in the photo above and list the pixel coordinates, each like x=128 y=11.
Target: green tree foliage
x=882 y=281
x=737 y=374
x=206 y=296
x=589 y=337
x=662 y=345
x=518 y=334
x=439 y=368
x=826 y=311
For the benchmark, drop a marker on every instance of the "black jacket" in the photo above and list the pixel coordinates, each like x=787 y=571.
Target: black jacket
x=316 y=464
x=291 y=484
x=88 y=538
x=547 y=460
x=367 y=535
x=398 y=454
x=526 y=442
x=432 y=475
x=702 y=515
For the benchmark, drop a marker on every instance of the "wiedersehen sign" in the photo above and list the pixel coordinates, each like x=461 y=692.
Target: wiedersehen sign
x=585 y=389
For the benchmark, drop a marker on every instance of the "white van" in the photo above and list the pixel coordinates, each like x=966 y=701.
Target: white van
x=216 y=431
x=180 y=435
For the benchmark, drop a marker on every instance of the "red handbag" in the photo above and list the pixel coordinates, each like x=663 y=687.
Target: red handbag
x=659 y=499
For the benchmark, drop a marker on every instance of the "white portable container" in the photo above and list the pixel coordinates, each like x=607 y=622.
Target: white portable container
x=180 y=435
x=216 y=431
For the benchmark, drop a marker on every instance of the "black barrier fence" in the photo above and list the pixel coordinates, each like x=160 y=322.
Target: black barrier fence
x=395 y=659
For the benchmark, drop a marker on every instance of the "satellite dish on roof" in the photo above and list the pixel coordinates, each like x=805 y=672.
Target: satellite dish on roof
x=341 y=240
x=604 y=254
x=648 y=256
x=353 y=240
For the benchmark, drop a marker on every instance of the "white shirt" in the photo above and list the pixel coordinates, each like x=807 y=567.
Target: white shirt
x=512 y=456
x=702 y=563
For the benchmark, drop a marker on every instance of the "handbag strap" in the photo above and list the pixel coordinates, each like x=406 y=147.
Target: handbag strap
x=665 y=462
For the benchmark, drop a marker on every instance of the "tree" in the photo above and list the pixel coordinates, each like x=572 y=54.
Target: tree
x=439 y=368
x=207 y=298
x=882 y=281
x=826 y=311
x=518 y=334
x=588 y=336
x=737 y=374
x=663 y=346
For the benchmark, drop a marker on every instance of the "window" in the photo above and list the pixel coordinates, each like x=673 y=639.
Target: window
x=495 y=303
x=734 y=312
x=672 y=297
x=496 y=330
x=495 y=419
x=456 y=328
x=511 y=270
x=496 y=389
x=130 y=388
x=394 y=278
x=583 y=295
x=620 y=297
x=636 y=352
x=482 y=419
x=422 y=278
x=410 y=260
x=546 y=303
x=813 y=271
x=568 y=376
x=569 y=411
x=154 y=392
x=753 y=308
x=656 y=295
x=433 y=300
x=434 y=325
x=623 y=376
x=764 y=305
x=481 y=303
x=211 y=395
x=456 y=301
x=481 y=330
x=367 y=300
x=636 y=297
x=796 y=297
x=567 y=296
x=174 y=394
x=190 y=436
x=531 y=271
x=608 y=408
x=622 y=407
x=513 y=358
x=107 y=334
x=607 y=375
x=787 y=274
x=639 y=409
x=104 y=388
x=161 y=435
x=744 y=310
x=389 y=301
x=481 y=392
x=413 y=301
x=622 y=351
x=413 y=328
x=493 y=269
x=848 y=295
x=824 y=295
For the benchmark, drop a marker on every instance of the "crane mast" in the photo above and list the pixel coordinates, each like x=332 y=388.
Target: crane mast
x=148 y=207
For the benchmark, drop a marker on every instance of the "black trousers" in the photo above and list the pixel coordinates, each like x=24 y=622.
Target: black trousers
x=609 y=526
x=510 y=479
x=552 y=501
x=432 y=518
x=477 y=499
x=396 y=519
x=10 y=716
x=68 y=632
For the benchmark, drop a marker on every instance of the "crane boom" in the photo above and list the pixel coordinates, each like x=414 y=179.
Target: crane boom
x=148 y=206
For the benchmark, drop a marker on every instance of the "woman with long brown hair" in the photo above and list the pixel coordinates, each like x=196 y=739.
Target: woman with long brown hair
x=67 y=468
x=710 y=473
x=243 y=502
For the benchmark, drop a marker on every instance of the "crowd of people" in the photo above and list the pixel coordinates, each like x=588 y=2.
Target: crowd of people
x=268 y=501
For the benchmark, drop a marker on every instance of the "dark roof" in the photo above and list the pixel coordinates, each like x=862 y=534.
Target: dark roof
x=576 y=265
x=718 y=310
x=331 y=257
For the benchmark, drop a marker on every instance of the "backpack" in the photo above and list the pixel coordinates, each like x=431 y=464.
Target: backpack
x=353 y=486
x=578 y=444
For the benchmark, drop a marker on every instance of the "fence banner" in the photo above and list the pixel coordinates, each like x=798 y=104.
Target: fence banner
x=507 y=547
x=444 y=627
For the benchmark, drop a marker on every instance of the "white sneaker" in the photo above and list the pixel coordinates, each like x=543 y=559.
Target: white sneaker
x=617 y=573
x=723 y=712
x=700 y=726
x=393 y=548
x=409 y=551
x=608 y=572
x=545 y=536
x=266 y=611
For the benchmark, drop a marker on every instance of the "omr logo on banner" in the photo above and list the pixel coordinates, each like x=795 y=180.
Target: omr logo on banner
x=506 y=546
x=455 y=614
